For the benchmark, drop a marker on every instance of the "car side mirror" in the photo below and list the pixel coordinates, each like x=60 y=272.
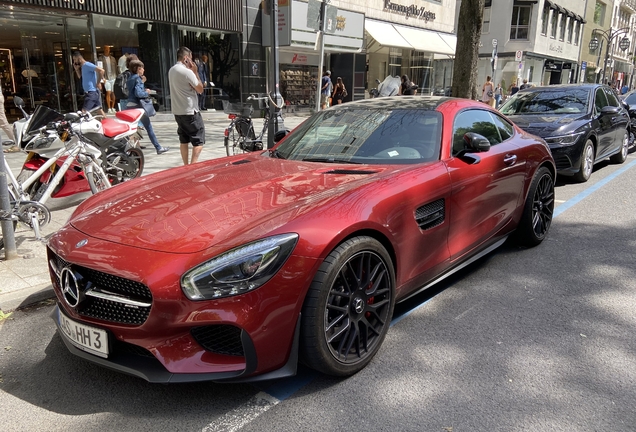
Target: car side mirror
x=610 y=110
x=18 y=101
x=476 y=143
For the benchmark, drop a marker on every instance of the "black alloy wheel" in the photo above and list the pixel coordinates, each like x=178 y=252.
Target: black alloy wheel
x=348 y=308
x=538 y=210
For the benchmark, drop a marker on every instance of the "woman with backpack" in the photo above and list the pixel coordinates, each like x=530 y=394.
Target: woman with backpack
x=339 y=92
x=136 y=92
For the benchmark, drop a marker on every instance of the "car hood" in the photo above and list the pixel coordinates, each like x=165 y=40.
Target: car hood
x=548 y=124
x=184 y=210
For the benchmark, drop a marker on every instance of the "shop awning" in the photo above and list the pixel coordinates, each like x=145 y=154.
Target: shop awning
x=393 y=35
x=385 y=34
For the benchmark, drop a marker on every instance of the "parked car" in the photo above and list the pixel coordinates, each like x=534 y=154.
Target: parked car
x=235 y=269
x=582 y=123
x=629 y=102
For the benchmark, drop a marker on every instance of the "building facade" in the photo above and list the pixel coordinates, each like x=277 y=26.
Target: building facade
x=536 y=40
x=39 y=36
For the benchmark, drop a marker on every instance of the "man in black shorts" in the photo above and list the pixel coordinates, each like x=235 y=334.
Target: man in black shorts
x=185 y=86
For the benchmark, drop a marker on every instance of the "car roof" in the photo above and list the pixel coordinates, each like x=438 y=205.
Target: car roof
x=561 y=87
x=398 y=102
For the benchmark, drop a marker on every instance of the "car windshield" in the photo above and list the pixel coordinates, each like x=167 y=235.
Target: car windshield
x=562 y=101
x=364 y=135
x=631 y=99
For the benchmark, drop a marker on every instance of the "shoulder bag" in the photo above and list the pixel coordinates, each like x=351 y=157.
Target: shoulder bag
x=147 y=105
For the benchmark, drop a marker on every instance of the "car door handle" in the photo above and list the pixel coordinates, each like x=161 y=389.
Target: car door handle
x=510 y=159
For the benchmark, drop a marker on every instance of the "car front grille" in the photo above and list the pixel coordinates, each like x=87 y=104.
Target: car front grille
x=219 y=339
x=123 y=294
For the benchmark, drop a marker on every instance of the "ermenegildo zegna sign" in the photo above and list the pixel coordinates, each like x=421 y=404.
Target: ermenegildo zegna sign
x=415 y=11
x=213 y=14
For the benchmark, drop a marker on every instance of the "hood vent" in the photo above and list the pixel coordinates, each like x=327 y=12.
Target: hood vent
x=350 y=172
x=430 y=215
x=241 y=162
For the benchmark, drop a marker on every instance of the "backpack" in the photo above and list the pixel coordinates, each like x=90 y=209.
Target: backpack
x=121 y=85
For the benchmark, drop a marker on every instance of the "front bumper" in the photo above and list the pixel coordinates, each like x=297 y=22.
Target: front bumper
x=568 y=159
x=175 y=339
x=136 y=361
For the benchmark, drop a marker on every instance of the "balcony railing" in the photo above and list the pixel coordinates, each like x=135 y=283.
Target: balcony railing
x=630 y=4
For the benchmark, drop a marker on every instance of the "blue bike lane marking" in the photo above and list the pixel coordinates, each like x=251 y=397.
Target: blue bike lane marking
x=282 y=389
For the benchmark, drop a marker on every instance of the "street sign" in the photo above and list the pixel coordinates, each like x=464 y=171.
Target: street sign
x=494 y=43
x=583 y=65
x=313 y=14
x=518 y=55
x=331 y=19
x=494 y=63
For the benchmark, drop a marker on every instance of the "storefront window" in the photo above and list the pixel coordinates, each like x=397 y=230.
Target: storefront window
x=395 y=61
x=422 y=71
x=35 y=53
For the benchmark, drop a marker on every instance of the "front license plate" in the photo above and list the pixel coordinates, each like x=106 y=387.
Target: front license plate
x=86 y=338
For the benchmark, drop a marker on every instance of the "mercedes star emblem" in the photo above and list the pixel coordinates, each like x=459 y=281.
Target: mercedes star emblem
x=81 y=243
x=70 y=287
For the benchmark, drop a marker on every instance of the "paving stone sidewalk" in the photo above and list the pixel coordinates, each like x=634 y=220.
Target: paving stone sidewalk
x=25 y=280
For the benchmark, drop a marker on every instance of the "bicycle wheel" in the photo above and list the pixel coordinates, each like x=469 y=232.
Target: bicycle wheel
x=97 y=180
x=233 y=142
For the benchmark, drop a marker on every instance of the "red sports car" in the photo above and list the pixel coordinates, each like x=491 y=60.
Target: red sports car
x=236 y=269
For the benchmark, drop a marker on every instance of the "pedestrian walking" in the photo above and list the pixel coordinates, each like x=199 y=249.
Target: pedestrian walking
x=92 y=77
x=185 y=86
x=339 y=92
x=5 y=126
x=488 y=92
x=136 y=92
x=325 y=89
x=513 y=89
x=498 y=95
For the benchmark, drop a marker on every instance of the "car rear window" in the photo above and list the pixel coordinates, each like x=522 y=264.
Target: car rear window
x=561 y=101
x=377 y=136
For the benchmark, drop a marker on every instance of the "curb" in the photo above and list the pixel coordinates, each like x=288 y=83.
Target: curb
x=25 y=297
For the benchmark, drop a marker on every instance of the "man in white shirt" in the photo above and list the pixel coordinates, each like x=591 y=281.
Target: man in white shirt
x=185 y=86
x=121 y=63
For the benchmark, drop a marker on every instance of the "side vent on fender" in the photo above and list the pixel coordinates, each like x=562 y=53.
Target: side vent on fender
x=241 y=162
x=430 y=215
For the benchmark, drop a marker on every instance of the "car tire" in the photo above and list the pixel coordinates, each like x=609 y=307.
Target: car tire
x=538 y=209
x=348 y=308
x=621 y=156
x=587 y=163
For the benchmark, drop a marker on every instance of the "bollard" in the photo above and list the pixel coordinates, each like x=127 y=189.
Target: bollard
x=10 y=250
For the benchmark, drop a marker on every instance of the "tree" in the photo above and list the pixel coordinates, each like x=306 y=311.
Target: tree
x=471 y=13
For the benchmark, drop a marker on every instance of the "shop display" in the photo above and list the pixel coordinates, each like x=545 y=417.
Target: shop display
x=298 y=85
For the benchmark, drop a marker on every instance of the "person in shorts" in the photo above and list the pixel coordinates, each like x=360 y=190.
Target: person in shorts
x=91 y=76
x=185 y=88
x=325 y=90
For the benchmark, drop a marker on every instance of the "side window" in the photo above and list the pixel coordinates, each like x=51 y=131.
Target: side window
x=506 y=130
x=600 y=100
x=478 y=121
x=611 y=98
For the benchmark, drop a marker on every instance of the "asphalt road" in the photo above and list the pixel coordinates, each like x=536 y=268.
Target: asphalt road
x=523 y=340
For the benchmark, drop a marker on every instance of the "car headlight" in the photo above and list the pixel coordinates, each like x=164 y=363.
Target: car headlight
x=239 y=270
x=564 y=140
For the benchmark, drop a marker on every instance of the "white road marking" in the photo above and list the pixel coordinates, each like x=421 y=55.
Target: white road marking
x=244 y=414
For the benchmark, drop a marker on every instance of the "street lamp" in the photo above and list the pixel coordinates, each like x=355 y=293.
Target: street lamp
x=609 y=36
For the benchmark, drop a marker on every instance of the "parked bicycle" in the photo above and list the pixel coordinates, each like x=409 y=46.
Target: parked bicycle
x=29 y=206
x=240 y=136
